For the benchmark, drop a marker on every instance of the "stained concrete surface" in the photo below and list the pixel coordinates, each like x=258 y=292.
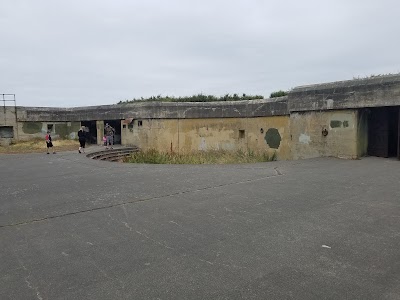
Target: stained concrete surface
x=75 y=228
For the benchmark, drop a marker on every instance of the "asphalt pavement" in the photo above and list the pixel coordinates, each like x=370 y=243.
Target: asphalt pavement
x=75 y=228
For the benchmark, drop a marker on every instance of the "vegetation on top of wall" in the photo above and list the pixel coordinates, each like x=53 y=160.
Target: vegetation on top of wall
x=279 y=93
x=194 y=98
x=373 y=76
x=153 y=156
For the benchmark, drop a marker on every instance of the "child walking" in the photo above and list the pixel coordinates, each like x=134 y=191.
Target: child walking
x=49 y=143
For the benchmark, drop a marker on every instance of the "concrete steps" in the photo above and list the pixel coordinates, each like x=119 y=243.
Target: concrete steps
x=113 y=154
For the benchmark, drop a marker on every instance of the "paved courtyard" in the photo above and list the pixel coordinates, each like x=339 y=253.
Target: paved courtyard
x=75 y=228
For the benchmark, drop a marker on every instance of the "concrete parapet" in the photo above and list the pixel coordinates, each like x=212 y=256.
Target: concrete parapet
x=158 y=110
x=358 y=93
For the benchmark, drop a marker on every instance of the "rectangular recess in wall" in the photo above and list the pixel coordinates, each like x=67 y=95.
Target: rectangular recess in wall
x=140 y=123
x=6 y=132
x=50 y=127
x=241 y=133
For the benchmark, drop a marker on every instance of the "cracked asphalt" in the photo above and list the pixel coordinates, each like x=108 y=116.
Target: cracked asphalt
x=75 y=228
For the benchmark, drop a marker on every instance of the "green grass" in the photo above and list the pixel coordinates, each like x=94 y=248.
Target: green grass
x=200 y=157
x=39 y=145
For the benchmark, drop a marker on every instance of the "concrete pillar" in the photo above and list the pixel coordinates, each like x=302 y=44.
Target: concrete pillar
x=123 y=133
x=100 y=132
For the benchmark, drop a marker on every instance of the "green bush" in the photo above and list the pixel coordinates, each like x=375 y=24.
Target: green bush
x=194 y=98
x=279 y=93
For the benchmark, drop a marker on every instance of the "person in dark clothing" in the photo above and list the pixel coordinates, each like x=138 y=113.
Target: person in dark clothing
x=82 y=139
x=49 y=142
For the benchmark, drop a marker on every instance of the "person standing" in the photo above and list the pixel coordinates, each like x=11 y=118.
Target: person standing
x=82 y=139
x=49 y=142
x=109 y=131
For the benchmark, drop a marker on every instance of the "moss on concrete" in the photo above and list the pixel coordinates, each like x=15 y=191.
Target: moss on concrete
x=32 y=127
x=64 y=131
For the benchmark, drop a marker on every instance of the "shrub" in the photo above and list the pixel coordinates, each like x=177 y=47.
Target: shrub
x=194 y=98
x=279 y=93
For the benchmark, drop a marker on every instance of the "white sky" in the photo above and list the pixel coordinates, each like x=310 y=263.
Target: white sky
x=77 y=53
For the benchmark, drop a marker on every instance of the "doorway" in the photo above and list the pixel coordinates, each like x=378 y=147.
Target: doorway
x=383 y=132
x=91 y=134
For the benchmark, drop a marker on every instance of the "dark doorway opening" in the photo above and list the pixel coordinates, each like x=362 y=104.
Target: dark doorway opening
x=116 y=124
x=383 y=132
x=6 y=132
x=91 y=134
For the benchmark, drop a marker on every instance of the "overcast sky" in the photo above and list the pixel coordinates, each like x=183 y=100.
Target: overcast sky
x=77 y=53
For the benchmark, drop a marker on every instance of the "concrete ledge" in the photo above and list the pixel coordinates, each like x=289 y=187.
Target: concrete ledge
x=159 y=110
x=350 y=94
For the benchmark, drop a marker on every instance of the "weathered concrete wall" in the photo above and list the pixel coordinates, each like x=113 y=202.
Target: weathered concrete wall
x=67 y=130
x=36 y=129
x=63 y=130
x=100 y=132
x=7 y=116
x=350 y=94
x=160 y=134
x=309 y=141
x=158 y=110
x=362 y=132
x=269 y=134
x=359 y=93
x=336 y=108
x=7 y=119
